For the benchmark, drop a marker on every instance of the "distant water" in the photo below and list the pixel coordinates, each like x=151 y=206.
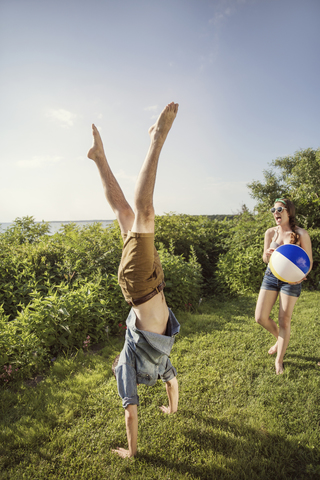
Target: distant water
x=56 y=225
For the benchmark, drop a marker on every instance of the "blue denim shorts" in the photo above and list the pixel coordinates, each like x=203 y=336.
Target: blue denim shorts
x=270 y=282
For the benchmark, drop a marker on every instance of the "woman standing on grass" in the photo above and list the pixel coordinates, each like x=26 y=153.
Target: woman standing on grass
x=285 y=231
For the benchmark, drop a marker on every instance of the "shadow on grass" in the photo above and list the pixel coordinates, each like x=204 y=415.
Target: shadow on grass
x=218 y=314
x=225 y=450
x=63 y=384
x=301 y=362
x=193 y=471
x=303 y=357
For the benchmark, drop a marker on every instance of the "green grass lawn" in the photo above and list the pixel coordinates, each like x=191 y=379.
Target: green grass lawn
x=236 y=418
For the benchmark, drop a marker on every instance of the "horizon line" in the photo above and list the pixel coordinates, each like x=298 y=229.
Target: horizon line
x=114 y=219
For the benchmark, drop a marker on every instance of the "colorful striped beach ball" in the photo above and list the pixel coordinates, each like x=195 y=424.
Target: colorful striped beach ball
x=289 y=263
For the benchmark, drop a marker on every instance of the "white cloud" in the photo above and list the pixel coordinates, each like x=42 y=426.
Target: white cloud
x=206 y=60
x=152 y=108
x=223 y=11
x=229 y=193
x=225 y=185
x=65 y=118
x=38 y=162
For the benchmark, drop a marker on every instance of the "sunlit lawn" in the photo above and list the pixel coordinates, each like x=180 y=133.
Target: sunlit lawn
x=237 y=419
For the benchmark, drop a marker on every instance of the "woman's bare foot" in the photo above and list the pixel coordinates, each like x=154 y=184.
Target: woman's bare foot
x=273 y=349
x=279 y=368
x=96 y=152
x=160 y=129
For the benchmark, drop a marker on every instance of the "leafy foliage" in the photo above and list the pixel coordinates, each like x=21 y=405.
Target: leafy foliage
x=207 y=237
x=314 y=276
x=56 y=290
x=297 y=177
x=241 y=268
x=183 y=279
x=26 y=230
x=60 y=320
x=72 y=256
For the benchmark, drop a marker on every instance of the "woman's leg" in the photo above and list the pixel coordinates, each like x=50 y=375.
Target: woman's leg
x=287 y=304
x=265 y=302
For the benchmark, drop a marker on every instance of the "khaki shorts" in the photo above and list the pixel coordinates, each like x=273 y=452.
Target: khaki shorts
x=140 y=271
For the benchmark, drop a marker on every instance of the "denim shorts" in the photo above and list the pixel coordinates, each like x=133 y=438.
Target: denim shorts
x=270 y=282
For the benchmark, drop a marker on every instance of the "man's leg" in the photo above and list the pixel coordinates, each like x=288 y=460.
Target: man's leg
x=143 y=198
x=112 y=190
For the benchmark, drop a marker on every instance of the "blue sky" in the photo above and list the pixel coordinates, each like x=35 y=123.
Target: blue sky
x=245 y=73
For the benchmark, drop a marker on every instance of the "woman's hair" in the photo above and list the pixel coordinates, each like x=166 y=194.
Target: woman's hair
x=292 y=217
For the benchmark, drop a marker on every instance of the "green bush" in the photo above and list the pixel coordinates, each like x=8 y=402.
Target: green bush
x=183 y=279
x=240 y=270
x=61 y=320
x=207 y=237
x=313 y=282
x=72 y=256
x=25 y=230
x=89 y=250
x=57 y=290
x=26 y=267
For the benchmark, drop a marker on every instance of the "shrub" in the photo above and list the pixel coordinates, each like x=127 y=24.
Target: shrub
x=25 y=230
x=240 y=270
x=61 y=320
x=207 y=237
x=313 y=282
x=183 y=279
x=89 y=250
x=72 y=256
x=60 y=289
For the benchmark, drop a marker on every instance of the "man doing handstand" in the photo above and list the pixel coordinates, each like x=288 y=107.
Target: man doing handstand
x=151 y=326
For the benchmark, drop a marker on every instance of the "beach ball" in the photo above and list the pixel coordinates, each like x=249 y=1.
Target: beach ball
x=289 y=263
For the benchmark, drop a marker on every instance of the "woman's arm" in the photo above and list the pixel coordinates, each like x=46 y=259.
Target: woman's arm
x=267 y=251
x=305 y=243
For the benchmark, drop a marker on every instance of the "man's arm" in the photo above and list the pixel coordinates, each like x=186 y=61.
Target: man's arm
x=173 y=396
x=131 y=417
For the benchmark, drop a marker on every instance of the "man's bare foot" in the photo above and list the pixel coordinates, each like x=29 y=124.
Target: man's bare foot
x=279 y=368
x=96 y=152
x=273 y=349
x=160 y=129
